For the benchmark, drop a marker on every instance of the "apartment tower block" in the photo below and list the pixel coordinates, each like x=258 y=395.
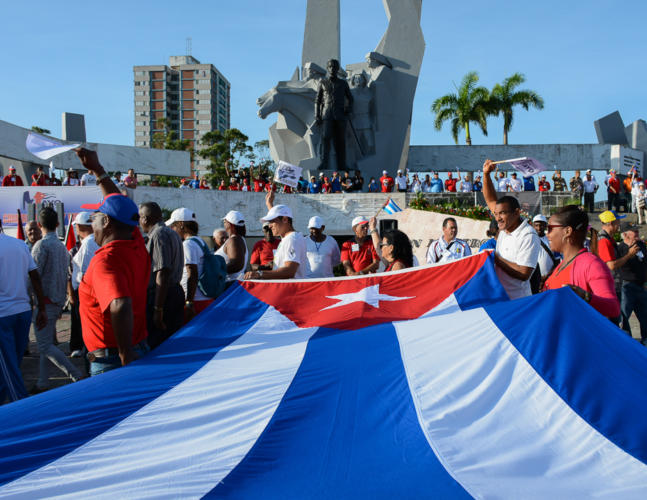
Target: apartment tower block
x=193 y=97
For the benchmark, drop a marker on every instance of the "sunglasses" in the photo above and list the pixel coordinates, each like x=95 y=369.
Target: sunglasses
x=551 y=226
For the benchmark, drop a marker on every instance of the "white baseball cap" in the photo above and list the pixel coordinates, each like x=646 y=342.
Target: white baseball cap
x=277 y=211
x=384 y=172
x=315 y=222
x=359 y=220
x=235 y=217
x=539 y=218
x=83 y=218
x=181 y=215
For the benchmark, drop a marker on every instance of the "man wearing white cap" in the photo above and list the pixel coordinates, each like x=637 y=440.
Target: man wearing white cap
x=322 y=250
x=547 y=259
x=184 y=223
x=401 y=181
x=358 y=255
x=80 y=262
x=386 y=182
x=234 y=251
x=11 y=179
x=290 y=258
x=590 y=186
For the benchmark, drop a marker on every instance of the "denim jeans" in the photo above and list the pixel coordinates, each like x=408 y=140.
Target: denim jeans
x=101 y=365
x=634 y=299
x=47 y=351
x=14 y=338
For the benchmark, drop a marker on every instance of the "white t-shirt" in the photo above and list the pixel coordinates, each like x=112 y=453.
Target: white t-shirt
x=88 y=179
x=70 y=181
x=516 y=185
x=522 y=248
x=401 y=182
x=293 y=249
x=15 y=263
x=466 y=186
x=503 y=183
x=193 y=254
x=544 y=260
x=322 y=257
x=81 y=260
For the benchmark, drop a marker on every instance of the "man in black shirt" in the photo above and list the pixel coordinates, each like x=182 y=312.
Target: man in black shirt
x=634 y=276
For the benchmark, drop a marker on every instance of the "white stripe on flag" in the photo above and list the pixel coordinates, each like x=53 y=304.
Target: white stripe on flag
x=495 y=424
x=182 y=444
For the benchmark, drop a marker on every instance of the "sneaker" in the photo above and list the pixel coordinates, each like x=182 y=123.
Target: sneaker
x=76 y=354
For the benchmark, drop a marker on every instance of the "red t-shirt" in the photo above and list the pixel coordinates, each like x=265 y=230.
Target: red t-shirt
x=615 y=184
x=234 y=187
x=37 y=180
x=606 y=250
x=12 y=180
x=258 y=185
x=450 y=185
x=118 y=269
x=544 y=186
x=287 y=189
x=263 y=252
x=387 y=183
x=360 y=257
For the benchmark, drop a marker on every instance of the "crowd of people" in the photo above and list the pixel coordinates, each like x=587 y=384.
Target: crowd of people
x=134 y=278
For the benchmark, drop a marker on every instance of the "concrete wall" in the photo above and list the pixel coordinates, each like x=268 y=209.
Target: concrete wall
x=471 y=158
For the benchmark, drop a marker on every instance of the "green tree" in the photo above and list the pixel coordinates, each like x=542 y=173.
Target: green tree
x=229 y=146
x=469 y=104
x=504 y=97
x=263 y=160
x=39 y=130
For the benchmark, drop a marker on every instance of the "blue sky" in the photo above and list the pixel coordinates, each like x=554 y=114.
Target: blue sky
x=586 y=59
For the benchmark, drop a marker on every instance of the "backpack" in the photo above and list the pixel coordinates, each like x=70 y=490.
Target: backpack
x=213 y=278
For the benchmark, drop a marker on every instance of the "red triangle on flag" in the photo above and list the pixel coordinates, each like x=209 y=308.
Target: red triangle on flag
x=70 y=237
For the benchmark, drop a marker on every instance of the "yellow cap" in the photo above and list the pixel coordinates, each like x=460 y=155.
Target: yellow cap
x=607 y=216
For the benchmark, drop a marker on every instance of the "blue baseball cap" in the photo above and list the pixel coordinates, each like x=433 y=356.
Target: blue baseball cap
x=117 y=206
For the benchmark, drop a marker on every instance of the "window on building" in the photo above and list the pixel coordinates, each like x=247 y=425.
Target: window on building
x=140 y=133
x=140 y=73
x=204 y=91
x=204 y=111
x=140 y=124
x=139 y=103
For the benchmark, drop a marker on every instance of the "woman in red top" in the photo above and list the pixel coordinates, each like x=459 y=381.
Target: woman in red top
x=544 y=185
x=394 y=247
x=203 y=184
x=580 y=270
x=39 y=178
x=326 y=186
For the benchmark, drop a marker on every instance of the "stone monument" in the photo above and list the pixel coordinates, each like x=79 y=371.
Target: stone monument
x=382 y=89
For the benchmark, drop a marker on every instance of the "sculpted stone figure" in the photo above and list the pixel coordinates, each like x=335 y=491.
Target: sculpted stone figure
x=375 y=135
x=334 y=102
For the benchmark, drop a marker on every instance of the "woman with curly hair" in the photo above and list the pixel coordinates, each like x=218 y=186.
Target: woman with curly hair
x=394 y=247
x=587 y=275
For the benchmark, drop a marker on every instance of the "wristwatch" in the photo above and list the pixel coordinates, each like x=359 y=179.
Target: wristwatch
x=260 y=274
x=189 y=303
x=101 y=177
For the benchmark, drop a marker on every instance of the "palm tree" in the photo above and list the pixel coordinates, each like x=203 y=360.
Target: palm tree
x=469 y=104
x=503 y=98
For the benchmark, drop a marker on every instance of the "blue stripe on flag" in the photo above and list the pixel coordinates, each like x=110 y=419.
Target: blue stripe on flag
x=392 y=207
x=595 y=368
x=346 y=428
x=482 y=288
x=60 y=421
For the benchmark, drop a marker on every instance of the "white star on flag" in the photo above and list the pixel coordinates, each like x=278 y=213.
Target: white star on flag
x=371 y=295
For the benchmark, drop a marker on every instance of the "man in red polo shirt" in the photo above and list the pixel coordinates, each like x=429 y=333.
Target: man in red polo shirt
x=450 y=183
x=112 y=293
x=358 y=255
x=613 y=190
x=11 y=179
x=263 y=252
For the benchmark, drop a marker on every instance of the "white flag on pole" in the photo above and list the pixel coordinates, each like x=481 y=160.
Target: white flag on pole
x=287 y=174
x=527 y=166
x=46 y=148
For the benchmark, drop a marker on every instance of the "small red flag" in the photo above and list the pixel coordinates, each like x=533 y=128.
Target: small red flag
x=21 y=230
x=70 y=238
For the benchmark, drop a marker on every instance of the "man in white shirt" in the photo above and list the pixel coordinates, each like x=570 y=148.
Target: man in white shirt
x=17 y=267
x=515 y=184
x=517 y=246
x=88 y=179
x=590 y=186
x=290 y=258
x=503 y=183
x=401 y=182
x=322 y=250
x=465 y=186
x=448 y=247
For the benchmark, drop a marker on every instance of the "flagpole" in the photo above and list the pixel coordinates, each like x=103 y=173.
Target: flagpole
x=382 y=207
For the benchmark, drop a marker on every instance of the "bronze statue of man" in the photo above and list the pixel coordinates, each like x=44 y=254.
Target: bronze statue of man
x=334 y=102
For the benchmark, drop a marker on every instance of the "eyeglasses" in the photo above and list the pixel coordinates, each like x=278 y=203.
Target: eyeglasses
x=551 y=226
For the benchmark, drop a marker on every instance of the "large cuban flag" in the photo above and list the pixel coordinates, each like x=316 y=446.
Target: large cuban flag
x=426 y=383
